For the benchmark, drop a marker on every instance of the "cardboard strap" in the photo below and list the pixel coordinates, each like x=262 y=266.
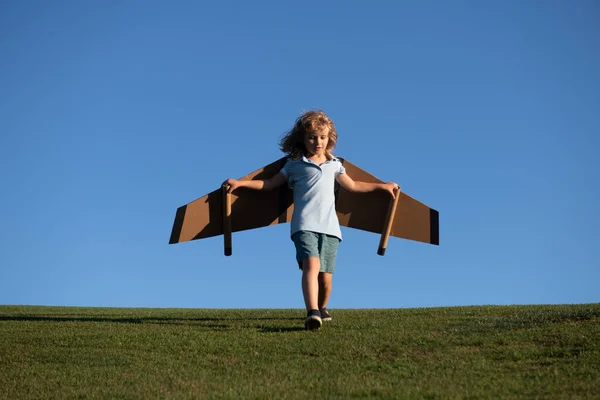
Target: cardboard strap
x=227 y=219
x=389 y=219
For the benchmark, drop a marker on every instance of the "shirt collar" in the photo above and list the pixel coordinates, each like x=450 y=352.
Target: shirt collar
x=311 y=162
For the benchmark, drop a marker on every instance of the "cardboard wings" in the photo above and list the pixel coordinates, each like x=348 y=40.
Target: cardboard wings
x=221 y=213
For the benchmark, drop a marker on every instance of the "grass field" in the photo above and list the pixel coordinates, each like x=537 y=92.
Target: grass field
x=459 y=352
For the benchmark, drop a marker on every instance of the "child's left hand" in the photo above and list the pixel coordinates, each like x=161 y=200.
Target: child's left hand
x=391 y=187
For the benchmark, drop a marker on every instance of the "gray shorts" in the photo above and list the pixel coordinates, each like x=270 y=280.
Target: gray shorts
x=313 y=244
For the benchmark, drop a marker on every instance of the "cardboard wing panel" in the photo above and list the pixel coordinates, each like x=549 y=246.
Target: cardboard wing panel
x=415 y=221
x=252 y=209
x=203 y=217
x=199 y=219
x=367 y=211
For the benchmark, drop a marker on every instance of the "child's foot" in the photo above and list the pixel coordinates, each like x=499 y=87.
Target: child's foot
x=313 y=320
x=325 y=316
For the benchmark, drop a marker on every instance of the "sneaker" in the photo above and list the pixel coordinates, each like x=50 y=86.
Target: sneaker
x=325 y=316
x=313 y=320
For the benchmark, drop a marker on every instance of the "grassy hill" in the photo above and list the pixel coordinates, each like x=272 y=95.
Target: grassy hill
x=458 y=352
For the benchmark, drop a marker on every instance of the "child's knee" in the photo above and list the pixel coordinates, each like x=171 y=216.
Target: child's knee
x=311 y=264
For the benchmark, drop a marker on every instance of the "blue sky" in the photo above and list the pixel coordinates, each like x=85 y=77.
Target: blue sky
x=113 y=114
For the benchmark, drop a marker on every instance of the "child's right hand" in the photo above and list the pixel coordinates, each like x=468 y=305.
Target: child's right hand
x=232 y=184
x=391 y=187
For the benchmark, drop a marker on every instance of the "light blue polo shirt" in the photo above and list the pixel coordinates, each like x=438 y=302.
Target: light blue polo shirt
x=314 y=196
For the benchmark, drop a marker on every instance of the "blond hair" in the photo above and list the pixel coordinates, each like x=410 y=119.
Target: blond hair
x=311 y=122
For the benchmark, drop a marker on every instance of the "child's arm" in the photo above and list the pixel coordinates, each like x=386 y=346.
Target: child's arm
x=266 y=184
x=363 y=187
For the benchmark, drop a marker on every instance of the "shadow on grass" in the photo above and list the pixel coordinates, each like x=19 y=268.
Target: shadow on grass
x=281 y=329
x=138 y=320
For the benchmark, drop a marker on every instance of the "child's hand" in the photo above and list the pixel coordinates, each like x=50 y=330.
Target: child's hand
x=232 y=184
x=391 y=187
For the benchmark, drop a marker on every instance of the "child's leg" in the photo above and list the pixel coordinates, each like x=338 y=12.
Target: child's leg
x=328 y=253
x=310 y=282
x=325 y=281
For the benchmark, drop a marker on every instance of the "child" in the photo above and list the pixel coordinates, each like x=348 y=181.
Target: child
x=311 y=171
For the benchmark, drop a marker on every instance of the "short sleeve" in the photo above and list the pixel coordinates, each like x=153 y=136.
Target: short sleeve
x=284 y=171
x=341 y=169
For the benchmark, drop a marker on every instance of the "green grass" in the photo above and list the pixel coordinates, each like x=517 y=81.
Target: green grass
x=459 y=352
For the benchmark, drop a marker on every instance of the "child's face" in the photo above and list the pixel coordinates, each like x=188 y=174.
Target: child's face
x=316 y=142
